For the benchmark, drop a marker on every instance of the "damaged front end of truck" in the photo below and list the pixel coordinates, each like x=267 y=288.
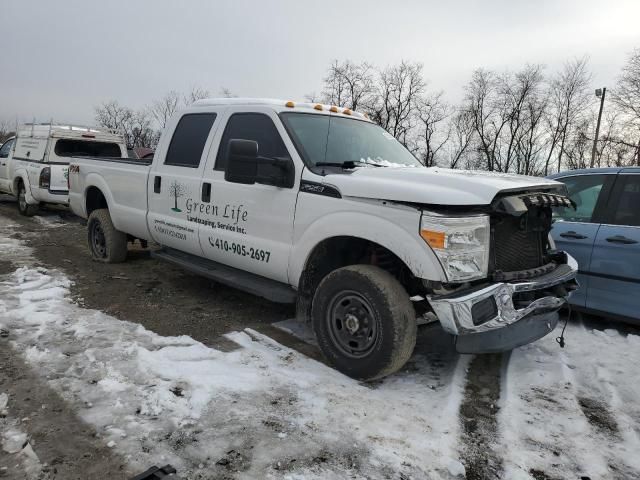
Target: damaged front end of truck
x=527 y=281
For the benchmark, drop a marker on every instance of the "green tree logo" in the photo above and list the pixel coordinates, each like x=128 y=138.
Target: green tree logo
x=176 y=190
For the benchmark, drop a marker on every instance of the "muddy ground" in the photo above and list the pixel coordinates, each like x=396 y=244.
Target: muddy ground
x=170 y=301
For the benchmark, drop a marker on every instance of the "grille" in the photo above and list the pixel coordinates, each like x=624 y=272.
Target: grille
x=514 y=247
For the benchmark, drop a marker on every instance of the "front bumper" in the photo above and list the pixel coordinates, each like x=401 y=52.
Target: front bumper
x=507 y=326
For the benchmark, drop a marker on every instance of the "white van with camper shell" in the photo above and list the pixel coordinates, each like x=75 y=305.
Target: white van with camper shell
x=34 y=165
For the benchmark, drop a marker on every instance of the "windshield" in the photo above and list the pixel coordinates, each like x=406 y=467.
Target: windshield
x=330 y=139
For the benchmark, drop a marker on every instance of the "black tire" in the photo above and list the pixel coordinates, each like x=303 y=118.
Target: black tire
x=23 y=207
x=364 y=321
x=106 y=244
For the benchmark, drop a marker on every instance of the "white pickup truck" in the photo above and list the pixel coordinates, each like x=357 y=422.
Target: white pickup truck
x=34 y=164
x=317 y=205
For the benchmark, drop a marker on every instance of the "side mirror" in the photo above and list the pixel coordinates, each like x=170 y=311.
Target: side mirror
x=242 y=162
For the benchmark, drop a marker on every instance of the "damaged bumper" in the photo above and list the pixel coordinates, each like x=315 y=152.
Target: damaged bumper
x=505 y=315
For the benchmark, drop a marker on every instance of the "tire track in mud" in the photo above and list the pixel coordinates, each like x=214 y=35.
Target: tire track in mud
x=479 y=418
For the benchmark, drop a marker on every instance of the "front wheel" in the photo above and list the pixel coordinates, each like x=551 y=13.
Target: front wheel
x=23 y=207
x=106 y=244
x=364 y=321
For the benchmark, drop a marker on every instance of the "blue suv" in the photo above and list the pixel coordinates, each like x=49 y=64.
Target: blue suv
x=603 y=235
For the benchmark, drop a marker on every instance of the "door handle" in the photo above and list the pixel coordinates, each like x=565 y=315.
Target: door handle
x=206 y=192
x=574 y=235
x=157 y=184
x=621 y=239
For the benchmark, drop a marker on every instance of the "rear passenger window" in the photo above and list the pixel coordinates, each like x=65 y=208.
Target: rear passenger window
x=189 y=137
x=78 y=148
x=251 y=126
x=628 y=208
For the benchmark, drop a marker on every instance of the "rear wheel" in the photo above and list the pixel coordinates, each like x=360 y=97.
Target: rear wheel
x=106 y=244
x=23 y=207
x=364 y=321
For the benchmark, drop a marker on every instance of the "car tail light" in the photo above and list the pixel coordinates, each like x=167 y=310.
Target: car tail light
x=45 y=177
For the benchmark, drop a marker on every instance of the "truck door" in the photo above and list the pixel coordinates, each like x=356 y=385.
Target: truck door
x=174 y=182
x=250 y=227
x=614 y=272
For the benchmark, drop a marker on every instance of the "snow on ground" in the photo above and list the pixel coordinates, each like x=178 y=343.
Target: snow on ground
x=50 y=221
x=573 y=412
x=265 y=411
x=262 y=411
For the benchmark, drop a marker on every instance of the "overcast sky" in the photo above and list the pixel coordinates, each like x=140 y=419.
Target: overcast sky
x=61 y=58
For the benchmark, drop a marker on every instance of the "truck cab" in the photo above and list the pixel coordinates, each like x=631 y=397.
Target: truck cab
x=317 y=205
x=35 y=168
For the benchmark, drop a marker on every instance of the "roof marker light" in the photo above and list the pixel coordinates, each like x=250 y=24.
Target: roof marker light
x=290 y=104
x=318 y=106
x=346 y=111
x=334 y=109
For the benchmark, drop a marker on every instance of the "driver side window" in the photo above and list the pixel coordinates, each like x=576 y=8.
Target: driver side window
x=252 y=126
x=584 y=190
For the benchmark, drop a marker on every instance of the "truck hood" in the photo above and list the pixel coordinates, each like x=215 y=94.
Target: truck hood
x=434 y=186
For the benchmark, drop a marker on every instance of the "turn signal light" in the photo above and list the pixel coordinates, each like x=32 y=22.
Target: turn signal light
x=433 y=238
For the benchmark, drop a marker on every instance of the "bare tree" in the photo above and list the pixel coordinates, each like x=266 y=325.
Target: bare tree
x=7 y=130
x=461 y=131
x=395 y=107
x=627 y=92
x=627 y=96
x=163 y=109
x=141 y=133
x=348 y=84
x=488 y=112
x=194 y=95
x=227 y=93
x=432 y=112
x=569 y=101
x=134 y=126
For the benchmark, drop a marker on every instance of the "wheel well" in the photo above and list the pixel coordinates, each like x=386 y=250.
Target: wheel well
x=338 y=252
x=95 y=200
x=16 y=184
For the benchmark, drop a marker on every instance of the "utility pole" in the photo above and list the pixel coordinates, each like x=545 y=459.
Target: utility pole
x=599 y=93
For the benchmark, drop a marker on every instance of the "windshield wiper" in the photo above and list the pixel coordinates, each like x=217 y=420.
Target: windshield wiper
x=347 y=164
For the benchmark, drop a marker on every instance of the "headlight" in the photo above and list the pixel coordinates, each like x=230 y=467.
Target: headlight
x=460 y=243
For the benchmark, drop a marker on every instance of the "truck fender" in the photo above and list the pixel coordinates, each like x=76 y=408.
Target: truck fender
x=22 y=174
x=95 y=180
x=411 y=249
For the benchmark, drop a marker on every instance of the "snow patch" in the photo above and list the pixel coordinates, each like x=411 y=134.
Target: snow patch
x=175 y=400
x=573 y=412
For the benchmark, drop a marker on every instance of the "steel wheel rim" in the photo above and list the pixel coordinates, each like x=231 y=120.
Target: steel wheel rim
x=98 y=241
x=352 y=325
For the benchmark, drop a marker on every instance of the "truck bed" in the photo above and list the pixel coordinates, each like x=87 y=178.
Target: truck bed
x=122 y=182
